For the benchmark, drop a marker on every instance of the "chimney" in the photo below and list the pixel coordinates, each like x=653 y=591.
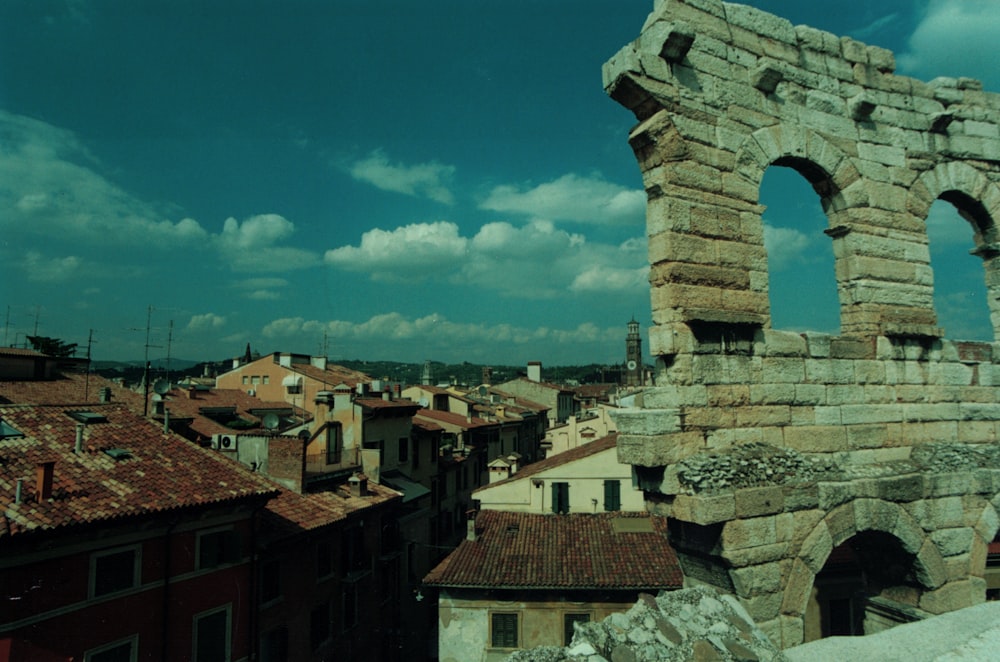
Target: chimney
x=43 y=480
x=535 y=371
x=79 y=438
x=190 y=393
x=104 y=395
x=319 y=362
x=236 y=363
x=359 y=485
x=470 y=525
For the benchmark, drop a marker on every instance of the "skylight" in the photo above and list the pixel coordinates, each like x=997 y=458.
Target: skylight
x=87 y=417
x=9 y=432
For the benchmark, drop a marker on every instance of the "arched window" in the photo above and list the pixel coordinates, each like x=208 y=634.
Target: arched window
x=801 y=275
x=960 y=301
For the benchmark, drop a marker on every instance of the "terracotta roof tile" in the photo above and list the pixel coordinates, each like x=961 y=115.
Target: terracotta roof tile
x=160 y=472
x=70 y=388
x=453 y=419
x=574 y=551
x=292 y=513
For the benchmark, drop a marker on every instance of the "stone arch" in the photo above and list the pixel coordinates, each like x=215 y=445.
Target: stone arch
x=823 y=164
x=977 y=200
x=844 y=523
x=828 y=169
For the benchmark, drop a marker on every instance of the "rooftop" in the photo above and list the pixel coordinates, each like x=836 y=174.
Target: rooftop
x=573 y=454
x=575 y=551
x=127 y=468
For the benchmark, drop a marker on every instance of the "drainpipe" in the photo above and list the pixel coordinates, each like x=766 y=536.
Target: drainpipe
x=165 y=633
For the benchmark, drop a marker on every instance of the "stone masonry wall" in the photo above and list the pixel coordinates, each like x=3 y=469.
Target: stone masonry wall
x=769 y=448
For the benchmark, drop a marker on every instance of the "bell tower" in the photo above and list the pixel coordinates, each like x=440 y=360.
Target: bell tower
x=633 y=355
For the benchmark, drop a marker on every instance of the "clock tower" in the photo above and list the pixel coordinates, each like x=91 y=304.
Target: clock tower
x=633 y=356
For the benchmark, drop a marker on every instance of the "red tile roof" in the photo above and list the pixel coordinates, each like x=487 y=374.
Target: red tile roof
x=18 y=351
x=333 y=375
x=453 y=419
x=379 y=403
x=162 y=472
x=292 y=513
x=70 y=388
x=180 y=405
x=574 y=551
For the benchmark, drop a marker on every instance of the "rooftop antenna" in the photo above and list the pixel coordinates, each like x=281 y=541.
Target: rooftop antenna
x=145 y=362
x=86 y=383
x=6 y=327
x=170 y=337
x=38 y=311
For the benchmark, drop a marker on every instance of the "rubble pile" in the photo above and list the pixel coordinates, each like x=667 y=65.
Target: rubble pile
x=678 y=626
x=750 y=465
x=946 y=457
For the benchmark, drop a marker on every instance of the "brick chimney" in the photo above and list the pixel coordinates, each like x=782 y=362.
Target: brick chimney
x=535 y=371
x=43 y=480
x=470 y=525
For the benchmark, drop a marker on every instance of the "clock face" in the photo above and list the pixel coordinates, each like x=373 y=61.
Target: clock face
x=631 y=365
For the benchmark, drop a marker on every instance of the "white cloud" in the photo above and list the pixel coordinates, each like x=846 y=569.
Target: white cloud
x=38 y=267
x=955 y=38
x=571 y=198
x=50 y=186
x=610 y=279
x=428 y=180
x=253 y=245
x=785 y=246
x=437 y=333
x=205 y=322
x=533 y=261
x=408 y=252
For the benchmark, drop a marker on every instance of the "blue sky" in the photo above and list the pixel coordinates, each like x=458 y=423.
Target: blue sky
x=399 y=180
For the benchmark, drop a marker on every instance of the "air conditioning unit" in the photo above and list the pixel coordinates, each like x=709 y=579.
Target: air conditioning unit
x=224 y=442
x=252 y=392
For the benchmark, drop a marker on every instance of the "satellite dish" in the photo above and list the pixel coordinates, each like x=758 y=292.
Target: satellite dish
x=271 y=421
x=161 y=386
x=157 y=397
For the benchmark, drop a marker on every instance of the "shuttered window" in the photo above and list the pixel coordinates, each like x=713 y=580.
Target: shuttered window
x=504 y=630
x=612 y=495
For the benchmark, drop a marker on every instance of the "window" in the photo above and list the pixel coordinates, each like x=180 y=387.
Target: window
x=270 y=581
x=612 y=495
x=211 y=636
x=218 y=547
x=274 y=645
x=569 y=620
x=120 y=651
x=404 y=450
x=504 y=630
x=433 y=452
x=560 y=498
x=350 y=605
x=324 y=560
x=319 y=625
x=255 y=380
x=333 y=436
x=416 y=452
x=352 y=551
x=246 y=380
x=115 y=570
x=266 y=379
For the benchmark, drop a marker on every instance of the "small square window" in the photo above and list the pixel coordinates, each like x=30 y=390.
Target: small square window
x=267 y=379
x=217 y=548
x=211 y=636
x=114 y=571
x=569 y=622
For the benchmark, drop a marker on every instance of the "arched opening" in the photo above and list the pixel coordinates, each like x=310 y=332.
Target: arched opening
x=864 y=587
x=960 y=292
x=802 y=281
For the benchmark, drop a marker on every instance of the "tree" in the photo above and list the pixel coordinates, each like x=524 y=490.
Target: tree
x=52 y=346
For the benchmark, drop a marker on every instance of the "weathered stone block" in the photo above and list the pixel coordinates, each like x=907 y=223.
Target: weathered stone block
x=758 y=501
x=744 y=533
x=756 y=580
x=704 y=509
